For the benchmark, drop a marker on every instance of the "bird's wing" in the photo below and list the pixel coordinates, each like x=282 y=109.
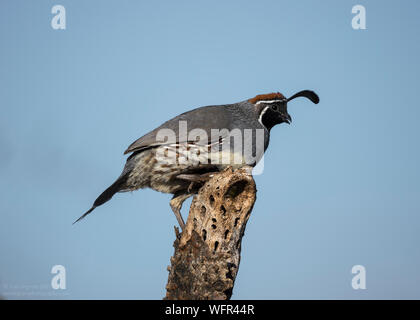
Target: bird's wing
x=205 y=118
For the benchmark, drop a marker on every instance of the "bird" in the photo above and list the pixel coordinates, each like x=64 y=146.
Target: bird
x=184 y=152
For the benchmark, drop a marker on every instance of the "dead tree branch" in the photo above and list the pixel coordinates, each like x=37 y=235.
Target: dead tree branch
x=207 y=253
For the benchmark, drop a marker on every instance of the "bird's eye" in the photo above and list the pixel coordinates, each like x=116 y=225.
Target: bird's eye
x=274 y=107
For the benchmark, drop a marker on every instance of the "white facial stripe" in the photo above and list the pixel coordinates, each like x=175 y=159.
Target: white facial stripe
x=270 y=101
x=262 y=114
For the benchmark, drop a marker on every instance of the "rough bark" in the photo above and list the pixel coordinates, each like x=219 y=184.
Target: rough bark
x=207 y=252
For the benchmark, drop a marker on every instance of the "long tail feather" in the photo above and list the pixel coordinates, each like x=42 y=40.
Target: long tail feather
x=105 y=196
x=85 y=214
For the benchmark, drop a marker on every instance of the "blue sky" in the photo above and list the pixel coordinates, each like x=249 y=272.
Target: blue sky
x=340 y=185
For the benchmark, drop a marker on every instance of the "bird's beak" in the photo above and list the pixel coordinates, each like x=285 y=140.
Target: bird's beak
x=287 y=118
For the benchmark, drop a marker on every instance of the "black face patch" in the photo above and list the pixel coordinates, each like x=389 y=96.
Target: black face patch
x=272 y=113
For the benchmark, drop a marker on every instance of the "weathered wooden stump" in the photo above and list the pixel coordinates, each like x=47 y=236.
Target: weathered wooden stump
x=207 y=252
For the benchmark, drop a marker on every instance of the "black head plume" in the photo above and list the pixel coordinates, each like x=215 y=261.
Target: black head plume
x=307 y=94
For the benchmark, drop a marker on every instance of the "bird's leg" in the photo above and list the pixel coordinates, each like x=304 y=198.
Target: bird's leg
x=176 y=205
x=178 y=199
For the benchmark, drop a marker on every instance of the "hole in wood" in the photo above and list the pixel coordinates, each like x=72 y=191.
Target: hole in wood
x=204 y=233
x=216 y=244
x=223 y=209
x=229 y=274
x=203 y=210
x=211 y=199
x=226 y=233
x=236 y=222
x=236 y=189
